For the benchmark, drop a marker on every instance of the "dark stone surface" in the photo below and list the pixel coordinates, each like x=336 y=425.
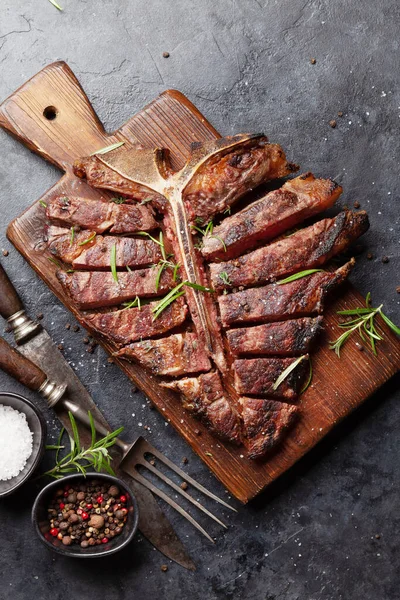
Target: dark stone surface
x=246 y=64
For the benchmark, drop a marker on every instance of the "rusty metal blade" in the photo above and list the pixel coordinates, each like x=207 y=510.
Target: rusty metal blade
x=153 y=523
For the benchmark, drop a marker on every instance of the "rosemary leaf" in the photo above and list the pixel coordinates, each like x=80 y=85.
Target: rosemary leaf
x=118 y=199
x=299 y=275
x=43 y=203
x=175 y=293
x=89 y=239
x=309 y=379
x=72 y=235
x=107 y=148
x=224 y=277
x=113 y=262
x=287 y=371
x=54 y=3
x=363 y=323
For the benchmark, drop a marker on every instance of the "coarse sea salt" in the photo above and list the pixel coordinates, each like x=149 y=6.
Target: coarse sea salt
x=15 y=442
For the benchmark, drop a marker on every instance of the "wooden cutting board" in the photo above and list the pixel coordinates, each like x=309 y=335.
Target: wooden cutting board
x=53 y=117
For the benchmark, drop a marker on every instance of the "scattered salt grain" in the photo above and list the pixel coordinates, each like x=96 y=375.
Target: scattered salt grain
x=15 y=442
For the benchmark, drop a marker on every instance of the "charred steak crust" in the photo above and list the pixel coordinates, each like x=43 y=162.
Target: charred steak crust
x=298 y=199
x=288 y=338
x=265 y=424
x=178 y=354
x=256 y=376
x=273 y=323
x=275 y=302
x=307 y=248
x=100 y=215
x=205 y=398
x=132 y=324
x=92 y=252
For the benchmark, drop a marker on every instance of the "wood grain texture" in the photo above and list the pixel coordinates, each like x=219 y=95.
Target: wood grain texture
x=339 y=385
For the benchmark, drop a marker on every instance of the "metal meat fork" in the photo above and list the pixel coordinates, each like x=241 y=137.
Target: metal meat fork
x=135 y=454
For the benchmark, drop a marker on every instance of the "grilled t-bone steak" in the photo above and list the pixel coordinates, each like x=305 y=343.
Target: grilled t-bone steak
x=223 y=354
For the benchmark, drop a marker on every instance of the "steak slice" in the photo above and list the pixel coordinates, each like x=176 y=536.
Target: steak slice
x=258 y=375
x=178 y=354
x=131 y=324
x=100 y=175
x=100 y=215
x=91 y=251
x=305 y=249
x=265 y=424
x=204 y=397
x=275 y=302
x=95 y=289
x=226 y=176
x=297 y=200
x=286 y=338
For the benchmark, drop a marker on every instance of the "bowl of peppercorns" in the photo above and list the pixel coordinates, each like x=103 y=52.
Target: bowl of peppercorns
x=86 y=517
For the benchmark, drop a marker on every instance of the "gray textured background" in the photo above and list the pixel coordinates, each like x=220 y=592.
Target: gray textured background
x=246 y=65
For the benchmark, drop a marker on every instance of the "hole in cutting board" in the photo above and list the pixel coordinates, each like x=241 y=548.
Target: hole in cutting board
x=50 y=113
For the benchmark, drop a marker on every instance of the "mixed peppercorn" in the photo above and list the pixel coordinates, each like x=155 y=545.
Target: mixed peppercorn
x=88 y=514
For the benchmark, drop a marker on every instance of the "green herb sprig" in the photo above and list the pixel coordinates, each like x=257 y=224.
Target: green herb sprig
x=164 y=263
x=54 y=3
x=113 y=262
x=79 y=459
x=108 y=148
x=363 y=323
x=72 y=235
x=118 y=200
x=89 y=239
x=299 y=275
x=224 y=277
x=208 y=231
x=287 y=371
x=174 y=294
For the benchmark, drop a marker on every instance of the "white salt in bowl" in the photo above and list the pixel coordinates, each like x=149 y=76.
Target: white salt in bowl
x=37 y=426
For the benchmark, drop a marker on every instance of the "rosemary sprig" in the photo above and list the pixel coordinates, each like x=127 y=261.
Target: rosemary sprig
x=363 y=323
x=299 y=275
x=287 y=371
x=79 y=459
x=118 y=199
x=107 y=148
x=135 y=303
x=224 y=277
x=164 y=263
x=43 y=203
x=113 y=262
x=208 y=231
x=174 y=294
x=54 y=3
x=72 y=235
x=89 y=239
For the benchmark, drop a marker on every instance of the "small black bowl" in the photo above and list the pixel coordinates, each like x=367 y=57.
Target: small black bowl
x=42 y=526
x=37 y=425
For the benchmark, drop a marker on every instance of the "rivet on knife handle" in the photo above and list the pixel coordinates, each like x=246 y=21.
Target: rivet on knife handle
x=12 y=309
x=27 y=373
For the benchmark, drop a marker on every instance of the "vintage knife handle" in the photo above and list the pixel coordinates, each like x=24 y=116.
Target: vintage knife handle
x=27 y=373
x=12 y=309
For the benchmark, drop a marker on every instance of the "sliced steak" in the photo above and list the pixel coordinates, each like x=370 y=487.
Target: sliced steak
x=305 y=249
x=265 y=424
x=100 y=175
x=275 y=302
x=100 y=215
x=258 y=375
x=131 y=324
x=297 y=200
x=178 y=354
x=226 y=176
x=95 y=289
x=285 y=338
x=91 y=251
x=204 y=397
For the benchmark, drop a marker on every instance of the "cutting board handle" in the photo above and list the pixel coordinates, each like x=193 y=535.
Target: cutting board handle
x=52 y=115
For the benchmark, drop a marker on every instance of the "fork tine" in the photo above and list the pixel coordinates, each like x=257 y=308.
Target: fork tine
x=178 y=489
x=185 y=476
x=155 y=490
